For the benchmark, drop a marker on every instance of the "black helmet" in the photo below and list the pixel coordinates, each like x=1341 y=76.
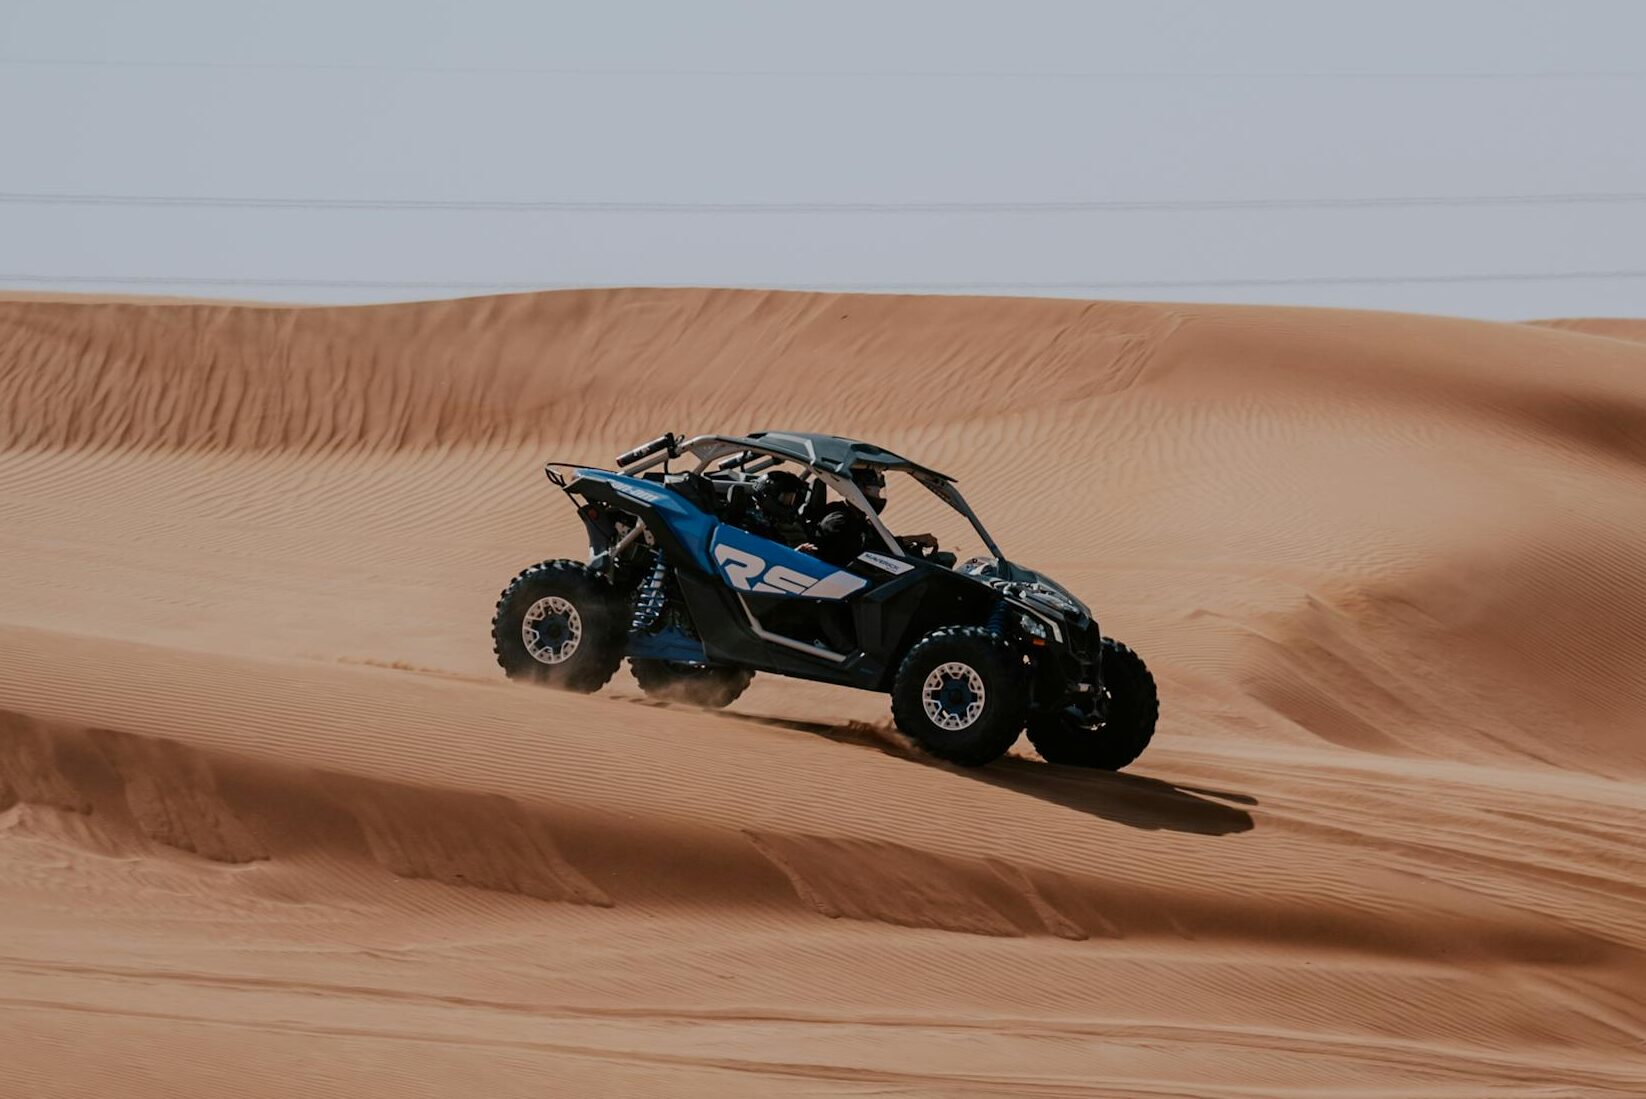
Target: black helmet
x=872 y=483
x=781 y=493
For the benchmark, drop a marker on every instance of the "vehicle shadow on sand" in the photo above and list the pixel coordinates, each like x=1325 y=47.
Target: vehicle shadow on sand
x=1136 y=801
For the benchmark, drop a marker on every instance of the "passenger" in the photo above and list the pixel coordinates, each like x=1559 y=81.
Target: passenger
x=843 y=531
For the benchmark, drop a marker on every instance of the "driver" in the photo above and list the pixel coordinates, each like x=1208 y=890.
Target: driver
x=778 y=503
x=842 y=532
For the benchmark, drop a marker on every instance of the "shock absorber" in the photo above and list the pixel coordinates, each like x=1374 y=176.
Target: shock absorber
x=997 y=618
x=651 y=597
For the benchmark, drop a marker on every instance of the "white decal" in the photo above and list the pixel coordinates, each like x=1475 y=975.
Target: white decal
x=889 y=564
x=742 y=569
x=836 y=585
x=747 y=572
x=786 y=579
x=645 y=495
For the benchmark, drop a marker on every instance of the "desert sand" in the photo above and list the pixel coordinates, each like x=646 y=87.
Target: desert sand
x=274 y=824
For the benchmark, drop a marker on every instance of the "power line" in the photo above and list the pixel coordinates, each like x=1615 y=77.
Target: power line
x=923 y=207
x=936 y=286
x=801 y=74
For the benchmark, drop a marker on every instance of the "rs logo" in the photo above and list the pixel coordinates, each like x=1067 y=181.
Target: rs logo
x=750 y=573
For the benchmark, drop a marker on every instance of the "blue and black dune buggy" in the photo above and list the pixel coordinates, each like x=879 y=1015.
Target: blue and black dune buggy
x=769 y=553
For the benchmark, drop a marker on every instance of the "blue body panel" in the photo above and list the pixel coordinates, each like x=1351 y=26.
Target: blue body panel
x=690 y=523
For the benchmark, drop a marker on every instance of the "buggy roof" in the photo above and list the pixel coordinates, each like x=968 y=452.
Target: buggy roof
x=831 y=452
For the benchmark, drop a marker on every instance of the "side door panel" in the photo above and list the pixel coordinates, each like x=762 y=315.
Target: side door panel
x=791 y=599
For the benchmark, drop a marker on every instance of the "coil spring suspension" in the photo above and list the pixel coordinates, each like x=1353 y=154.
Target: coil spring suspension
x=997 y=618
x=651 y=597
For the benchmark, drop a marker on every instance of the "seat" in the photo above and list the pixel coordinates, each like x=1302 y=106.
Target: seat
x=817 y=498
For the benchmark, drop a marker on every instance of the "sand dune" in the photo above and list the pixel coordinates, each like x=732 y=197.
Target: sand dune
x=1618 y=328
x=271 y=822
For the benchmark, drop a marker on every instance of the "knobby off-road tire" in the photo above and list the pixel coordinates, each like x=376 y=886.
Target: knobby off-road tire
x=558 y=626
x=961 y=694
x=713 y=686
x=1133 y=709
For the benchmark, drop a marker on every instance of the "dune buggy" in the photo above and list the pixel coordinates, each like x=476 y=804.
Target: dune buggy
x=699 y=590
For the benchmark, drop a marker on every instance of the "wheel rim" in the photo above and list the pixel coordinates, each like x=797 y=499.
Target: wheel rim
x=953 y=696
x=552 y=630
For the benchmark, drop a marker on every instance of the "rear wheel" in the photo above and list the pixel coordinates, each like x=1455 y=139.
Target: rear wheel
x=961 y=695
x=557 y=625
x=1120 y=735
x=709 y=685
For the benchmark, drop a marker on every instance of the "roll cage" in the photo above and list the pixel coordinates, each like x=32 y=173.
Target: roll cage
x=829 y=457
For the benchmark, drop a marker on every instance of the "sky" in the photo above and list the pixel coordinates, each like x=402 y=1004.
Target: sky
x=1475 y=157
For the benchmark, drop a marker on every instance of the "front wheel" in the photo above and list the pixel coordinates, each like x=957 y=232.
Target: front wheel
x=711 y=686
x=557 y=625
x=1120 y=734
x=961 y=695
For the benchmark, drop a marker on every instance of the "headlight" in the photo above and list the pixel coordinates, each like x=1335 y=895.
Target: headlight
x=1031 y=626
